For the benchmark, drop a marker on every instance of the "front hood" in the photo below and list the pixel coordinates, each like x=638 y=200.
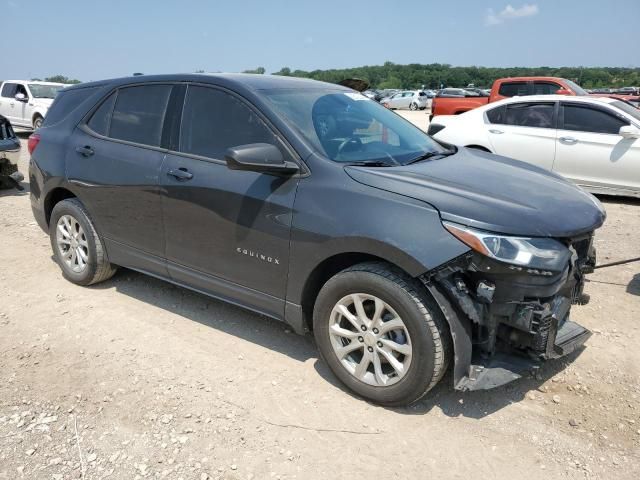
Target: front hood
x=493 y=193
x=43 y=102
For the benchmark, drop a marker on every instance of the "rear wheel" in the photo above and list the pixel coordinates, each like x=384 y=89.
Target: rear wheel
x=76 y=246
x=381 y=334
x=413 y=106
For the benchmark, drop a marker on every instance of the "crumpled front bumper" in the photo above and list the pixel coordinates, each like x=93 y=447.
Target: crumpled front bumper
x=504 y=322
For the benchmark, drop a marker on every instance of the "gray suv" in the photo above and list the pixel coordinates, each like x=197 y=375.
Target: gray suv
x=312 y=204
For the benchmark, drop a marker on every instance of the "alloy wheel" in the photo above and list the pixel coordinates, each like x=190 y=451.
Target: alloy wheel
x=72 y=243
x=370 y=339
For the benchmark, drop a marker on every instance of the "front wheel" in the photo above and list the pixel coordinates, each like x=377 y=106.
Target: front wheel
x=37 y=122
x=381 y=334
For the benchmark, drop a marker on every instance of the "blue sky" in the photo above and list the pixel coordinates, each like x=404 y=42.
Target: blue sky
x=93 y=39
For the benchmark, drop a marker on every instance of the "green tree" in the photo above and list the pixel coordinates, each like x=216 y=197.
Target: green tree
x=61 y=79
x=286 y=71
x=259 y=70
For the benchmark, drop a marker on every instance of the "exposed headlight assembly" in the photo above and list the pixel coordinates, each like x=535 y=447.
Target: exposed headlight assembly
x=530 y=253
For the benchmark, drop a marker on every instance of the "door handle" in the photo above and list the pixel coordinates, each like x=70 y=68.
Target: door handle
x=568 y=140
x=497 y=132
x=181 y=174
x=85 y=151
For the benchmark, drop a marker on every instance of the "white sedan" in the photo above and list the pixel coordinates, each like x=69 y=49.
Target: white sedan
x=593 y=141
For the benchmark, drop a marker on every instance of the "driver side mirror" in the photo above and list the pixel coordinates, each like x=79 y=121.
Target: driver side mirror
x=21 y=97
x=629 y=131
x=259 y=157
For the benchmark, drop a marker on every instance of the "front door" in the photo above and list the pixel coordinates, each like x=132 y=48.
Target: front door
x=524 y=131
x=592 y=153
x=114 y=163
x=227 y=231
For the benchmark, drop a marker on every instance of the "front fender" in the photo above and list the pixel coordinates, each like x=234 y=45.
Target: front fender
x=345 y=216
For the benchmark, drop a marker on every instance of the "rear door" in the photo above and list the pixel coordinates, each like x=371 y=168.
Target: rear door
x=524 y=131
x=114 y=161
x=591 y=152
x=227 y=231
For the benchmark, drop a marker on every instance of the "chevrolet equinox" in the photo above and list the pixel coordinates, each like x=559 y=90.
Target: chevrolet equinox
x=309 y=203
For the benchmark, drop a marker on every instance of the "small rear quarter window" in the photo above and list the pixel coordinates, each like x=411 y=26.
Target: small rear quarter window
x=65 y=103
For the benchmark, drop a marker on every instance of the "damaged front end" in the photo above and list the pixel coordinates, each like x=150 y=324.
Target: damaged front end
x=508 y=301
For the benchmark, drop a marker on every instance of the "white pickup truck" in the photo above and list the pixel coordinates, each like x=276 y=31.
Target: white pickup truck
x=25 y=103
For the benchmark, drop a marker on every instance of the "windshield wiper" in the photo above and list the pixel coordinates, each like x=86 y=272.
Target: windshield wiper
x=369 y=163
x=428 y=155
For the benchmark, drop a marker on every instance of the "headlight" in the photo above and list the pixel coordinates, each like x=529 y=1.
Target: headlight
x=536 y=253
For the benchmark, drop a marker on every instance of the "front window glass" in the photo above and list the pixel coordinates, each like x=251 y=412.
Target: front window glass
x=348 y=127
x=214 y=121
x=586 y=119
x=44 y=91
x=577 y=89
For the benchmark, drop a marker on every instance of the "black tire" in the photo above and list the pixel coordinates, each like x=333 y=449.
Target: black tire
x=37 y=122
x=97 y=269
x=422 y=317
x=413 y=106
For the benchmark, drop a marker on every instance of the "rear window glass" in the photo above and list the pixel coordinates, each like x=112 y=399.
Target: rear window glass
x=8 y=90
x=65 y=103
x=496 y=115
x=538 y=115
x=512 y=89
x=101 y=118
x=545 y=88
x=139 y=114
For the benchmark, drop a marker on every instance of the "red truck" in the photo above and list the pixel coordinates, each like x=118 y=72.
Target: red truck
x=505 y=88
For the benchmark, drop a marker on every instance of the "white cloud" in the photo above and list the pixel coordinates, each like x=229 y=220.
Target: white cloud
x=510 y=13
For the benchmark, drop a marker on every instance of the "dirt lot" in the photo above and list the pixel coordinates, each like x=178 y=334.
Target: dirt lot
x=136 y=378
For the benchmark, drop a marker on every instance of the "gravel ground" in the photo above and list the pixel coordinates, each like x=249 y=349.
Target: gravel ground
x=136 y=378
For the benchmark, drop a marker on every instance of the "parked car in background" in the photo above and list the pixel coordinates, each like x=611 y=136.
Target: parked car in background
x=595 y=142
x=9 y=156
x=411 y=99
x=505 y=88
x=25 y=103
x=453 y=92
x=311 y=204
x=628 y=91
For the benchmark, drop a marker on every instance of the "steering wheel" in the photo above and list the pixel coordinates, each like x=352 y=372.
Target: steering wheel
x=352 y=141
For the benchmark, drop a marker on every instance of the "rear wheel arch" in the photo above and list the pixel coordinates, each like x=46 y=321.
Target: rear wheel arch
x=54 y=197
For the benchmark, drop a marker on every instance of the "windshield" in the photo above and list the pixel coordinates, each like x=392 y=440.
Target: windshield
x=44 y=91
x=628 y=109
x=577 y=89
x=348 y=127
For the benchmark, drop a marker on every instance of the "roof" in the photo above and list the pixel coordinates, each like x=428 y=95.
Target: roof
x=247 y=80
x=36 y=82
x=551 y=98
